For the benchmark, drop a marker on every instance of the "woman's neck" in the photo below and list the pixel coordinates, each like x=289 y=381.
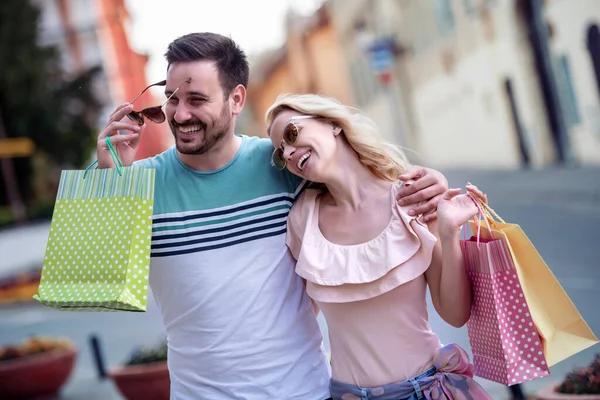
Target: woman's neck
x=351 y=183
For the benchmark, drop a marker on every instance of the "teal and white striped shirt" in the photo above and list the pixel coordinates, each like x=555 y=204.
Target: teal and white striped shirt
x=238 y=321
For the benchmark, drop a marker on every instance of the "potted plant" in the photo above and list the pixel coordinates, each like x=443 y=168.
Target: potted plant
x=37 y=368
x=580 y=384
x=144 y=376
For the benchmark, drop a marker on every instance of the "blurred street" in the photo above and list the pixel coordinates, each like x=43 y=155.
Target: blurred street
x=504 y=94
x=559 y=209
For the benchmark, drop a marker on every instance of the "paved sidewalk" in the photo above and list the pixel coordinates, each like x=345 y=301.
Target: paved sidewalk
x=579 y=186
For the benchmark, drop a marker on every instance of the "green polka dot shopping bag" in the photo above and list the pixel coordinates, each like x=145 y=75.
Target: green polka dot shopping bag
x=98 y=252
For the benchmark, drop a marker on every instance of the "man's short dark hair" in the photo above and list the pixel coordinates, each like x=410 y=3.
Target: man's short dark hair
x=230 y=59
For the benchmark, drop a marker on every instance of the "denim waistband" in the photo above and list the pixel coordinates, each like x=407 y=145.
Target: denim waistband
x=393 y=391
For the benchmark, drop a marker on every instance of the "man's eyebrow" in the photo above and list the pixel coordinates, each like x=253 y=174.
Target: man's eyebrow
x=199 y=94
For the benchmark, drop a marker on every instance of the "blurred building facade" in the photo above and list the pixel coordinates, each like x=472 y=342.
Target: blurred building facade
x=310 y=61
x=468 y=83
x=501 y=83
x=575 y=44
x=367 y=31
x=92 y=33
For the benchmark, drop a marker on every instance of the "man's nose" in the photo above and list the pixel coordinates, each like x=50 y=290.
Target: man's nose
x=182 y=114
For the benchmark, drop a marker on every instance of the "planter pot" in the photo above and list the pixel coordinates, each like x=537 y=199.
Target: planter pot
x=548 y=393
x=38 y=376
x=143 y=382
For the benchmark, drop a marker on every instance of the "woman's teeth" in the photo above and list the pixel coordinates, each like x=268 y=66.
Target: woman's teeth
x=302 y=161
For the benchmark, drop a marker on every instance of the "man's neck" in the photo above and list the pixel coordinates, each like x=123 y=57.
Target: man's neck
x=216 y=158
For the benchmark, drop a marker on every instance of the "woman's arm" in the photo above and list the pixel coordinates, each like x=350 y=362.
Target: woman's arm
x=447 y=276
x=448 y=280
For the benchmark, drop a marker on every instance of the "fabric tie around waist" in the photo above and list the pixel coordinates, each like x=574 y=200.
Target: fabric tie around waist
x=451 y=378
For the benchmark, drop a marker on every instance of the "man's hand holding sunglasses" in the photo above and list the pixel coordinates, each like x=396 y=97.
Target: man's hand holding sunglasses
x=124 y=135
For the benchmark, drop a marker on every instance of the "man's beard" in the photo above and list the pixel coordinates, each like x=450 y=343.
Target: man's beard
x=211 y=137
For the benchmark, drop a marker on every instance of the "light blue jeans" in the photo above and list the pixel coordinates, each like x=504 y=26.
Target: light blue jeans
x=450 y=378
x=409 y=389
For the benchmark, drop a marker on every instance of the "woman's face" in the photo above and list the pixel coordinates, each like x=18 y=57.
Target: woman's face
x=307 y=144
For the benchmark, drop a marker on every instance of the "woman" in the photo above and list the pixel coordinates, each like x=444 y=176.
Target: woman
x=367 y=262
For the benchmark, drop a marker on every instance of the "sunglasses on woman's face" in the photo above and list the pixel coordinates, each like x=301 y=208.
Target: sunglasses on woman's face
x=154 y=114
x=290 y=136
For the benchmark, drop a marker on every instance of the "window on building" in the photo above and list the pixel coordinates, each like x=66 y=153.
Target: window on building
x=83 y=13
x=364 y=81
x=419 y=23
x=568 y=98
x=470 y=6
x=444 y=16
x=90 y=46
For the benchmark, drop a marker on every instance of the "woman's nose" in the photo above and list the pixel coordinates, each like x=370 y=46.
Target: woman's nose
x=288 y=152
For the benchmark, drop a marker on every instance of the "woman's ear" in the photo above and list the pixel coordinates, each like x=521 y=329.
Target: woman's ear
x=336 y=130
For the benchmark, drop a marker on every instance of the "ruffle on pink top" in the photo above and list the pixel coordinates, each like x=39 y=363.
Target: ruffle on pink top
x=344 y=273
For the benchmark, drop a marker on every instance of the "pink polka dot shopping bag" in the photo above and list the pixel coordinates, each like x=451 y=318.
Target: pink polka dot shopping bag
x=98 y=252
x=522 y=321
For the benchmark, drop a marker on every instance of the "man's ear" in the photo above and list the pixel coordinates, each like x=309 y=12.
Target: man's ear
x=238 y=97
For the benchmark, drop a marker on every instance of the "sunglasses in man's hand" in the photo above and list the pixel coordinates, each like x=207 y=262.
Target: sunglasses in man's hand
x=154 y=114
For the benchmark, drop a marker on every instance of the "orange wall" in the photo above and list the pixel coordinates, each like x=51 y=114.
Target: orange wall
x=280 y=81
x=333 y=78
x=127 y=75
x=329 y=74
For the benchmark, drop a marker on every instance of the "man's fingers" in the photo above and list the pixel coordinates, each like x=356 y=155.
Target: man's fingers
x=432 y=216
x=422 y=195
x=122 y=138
x=412 y=173
x=413 y=187
x=113 y=129
x=120 y=112
x=427 y=207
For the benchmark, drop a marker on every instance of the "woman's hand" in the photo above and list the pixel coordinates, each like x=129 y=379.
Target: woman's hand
x=455 y=209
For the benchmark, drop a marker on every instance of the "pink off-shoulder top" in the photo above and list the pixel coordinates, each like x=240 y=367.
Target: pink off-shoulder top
x=371 y=294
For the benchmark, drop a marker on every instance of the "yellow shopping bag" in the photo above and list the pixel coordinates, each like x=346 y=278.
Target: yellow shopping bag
x=561 y=327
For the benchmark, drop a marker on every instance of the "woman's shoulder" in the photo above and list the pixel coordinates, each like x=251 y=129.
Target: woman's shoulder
x=303 y=206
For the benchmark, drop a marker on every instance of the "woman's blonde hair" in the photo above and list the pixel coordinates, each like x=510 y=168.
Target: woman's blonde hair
x=385 y=160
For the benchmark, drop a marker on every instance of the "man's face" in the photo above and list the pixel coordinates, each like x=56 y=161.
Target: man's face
x=198 y=114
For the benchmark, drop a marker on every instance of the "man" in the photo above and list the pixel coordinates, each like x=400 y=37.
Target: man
x=238 y=321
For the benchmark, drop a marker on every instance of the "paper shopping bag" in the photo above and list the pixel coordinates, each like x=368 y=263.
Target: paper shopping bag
x=505 y=342
x=98 y=252
x=562 y=329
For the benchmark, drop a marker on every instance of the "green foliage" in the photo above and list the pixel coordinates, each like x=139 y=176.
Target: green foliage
x=148 y=355
x=41 y=210
x=583 y=380
x=40 y=101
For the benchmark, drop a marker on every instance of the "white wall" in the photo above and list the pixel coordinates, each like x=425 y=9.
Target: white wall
x=463 y=115
x=570 y=20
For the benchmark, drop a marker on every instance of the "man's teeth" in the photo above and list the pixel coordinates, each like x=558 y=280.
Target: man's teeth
x=301 y=160
x=189 y=129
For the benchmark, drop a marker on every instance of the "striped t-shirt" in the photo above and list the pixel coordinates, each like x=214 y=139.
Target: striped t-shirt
x=239 y=323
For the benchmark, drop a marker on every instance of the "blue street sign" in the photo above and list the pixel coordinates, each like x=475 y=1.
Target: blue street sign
x=381 y=56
